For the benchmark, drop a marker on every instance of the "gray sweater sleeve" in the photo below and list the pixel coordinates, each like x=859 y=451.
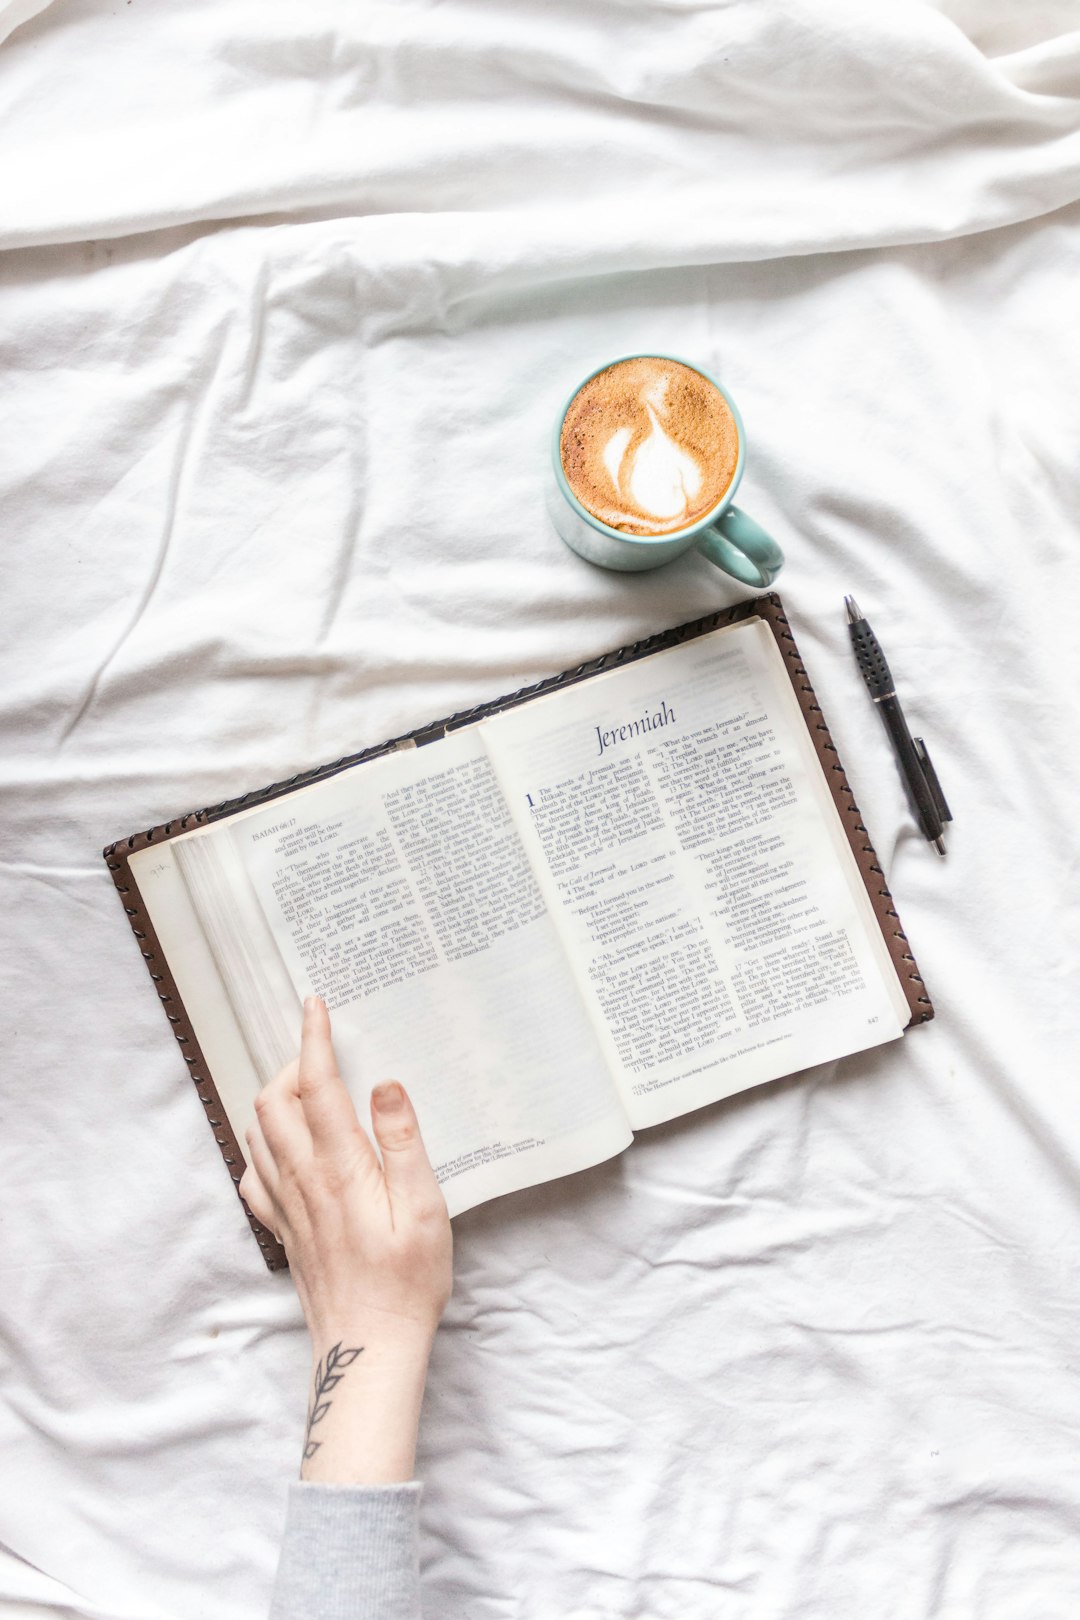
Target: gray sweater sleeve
x=350 y=1553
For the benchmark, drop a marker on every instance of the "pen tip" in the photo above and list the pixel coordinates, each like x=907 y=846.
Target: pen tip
x=854 y=612
x=939 y=845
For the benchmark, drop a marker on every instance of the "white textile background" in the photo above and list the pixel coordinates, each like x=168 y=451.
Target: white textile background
x=288 y=295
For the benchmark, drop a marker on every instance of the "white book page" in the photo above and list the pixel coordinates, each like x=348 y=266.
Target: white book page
x=689 y=850
x=399 y=892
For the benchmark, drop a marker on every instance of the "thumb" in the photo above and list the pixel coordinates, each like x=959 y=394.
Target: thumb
x=409 y=1177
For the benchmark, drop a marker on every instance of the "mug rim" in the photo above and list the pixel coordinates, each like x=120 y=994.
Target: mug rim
x=671 y=534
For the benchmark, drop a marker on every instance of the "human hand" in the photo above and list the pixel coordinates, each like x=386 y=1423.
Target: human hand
x=369 y=1245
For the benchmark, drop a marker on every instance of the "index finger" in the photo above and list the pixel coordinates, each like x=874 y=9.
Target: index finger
x=327 y=1105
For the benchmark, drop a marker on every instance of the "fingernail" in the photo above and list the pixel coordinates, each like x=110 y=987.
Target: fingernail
x=388 y=1098
x=313 y=1003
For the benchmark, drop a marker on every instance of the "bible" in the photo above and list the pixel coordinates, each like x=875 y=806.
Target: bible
x=568 y=915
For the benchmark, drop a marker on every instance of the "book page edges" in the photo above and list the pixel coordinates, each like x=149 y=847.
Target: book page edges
x=176 y=924
x=118 y=858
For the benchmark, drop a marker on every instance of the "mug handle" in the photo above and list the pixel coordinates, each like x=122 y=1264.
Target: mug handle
x=741 y=548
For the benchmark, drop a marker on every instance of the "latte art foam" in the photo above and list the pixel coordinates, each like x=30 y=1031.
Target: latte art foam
x=649 y=445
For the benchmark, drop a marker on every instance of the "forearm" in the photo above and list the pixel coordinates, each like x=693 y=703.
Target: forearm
x=364 y=1404
x=350 y=1545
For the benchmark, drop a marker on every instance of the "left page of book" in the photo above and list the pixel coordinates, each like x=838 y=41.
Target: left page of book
x=399 y=891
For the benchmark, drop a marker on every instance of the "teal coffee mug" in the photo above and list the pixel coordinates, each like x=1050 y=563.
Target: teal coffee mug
x=723 y=533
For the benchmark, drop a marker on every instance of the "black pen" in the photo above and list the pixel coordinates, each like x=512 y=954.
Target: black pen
x=920 y=778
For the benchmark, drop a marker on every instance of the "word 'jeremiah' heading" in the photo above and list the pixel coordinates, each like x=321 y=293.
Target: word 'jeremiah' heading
x=636 y=728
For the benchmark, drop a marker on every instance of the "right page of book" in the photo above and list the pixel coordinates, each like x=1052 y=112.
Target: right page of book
x=691 y=855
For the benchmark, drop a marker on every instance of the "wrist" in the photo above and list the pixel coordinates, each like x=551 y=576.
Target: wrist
x=385 y=1340
x=364 y=1401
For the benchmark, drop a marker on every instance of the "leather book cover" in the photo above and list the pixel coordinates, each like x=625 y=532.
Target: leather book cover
x=767 y=607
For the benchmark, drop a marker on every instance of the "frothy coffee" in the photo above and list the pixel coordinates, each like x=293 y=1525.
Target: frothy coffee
x=649 y=445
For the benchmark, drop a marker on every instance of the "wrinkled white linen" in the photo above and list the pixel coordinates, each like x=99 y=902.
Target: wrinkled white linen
x=13 y=13
x=288 y=299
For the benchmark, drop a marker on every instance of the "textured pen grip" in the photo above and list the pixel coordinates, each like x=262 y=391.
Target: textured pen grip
x=871 y=659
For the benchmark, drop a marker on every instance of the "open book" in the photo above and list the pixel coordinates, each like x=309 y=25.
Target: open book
x=572 y=915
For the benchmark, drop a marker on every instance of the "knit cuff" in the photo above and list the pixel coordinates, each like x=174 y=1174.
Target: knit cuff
x=350 y=1551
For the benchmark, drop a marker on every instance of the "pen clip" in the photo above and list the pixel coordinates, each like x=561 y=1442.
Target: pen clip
x=932 y=782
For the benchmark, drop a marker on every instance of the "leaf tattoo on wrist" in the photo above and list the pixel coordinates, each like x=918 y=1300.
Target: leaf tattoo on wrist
x=326 y=1379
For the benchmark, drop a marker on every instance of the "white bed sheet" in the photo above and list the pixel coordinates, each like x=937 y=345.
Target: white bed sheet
x=288 y=297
